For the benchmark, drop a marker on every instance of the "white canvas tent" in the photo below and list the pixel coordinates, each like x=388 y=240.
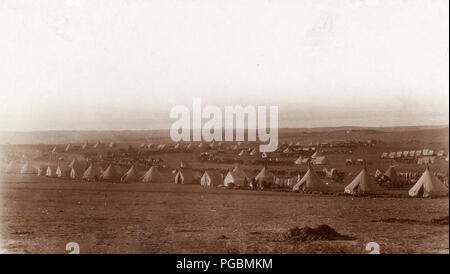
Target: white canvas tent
x=51 y=171
x=132 y=175
x=63 y=171
x=77 y=169
x=12 y=167
x=27 y=169
x=211 y=178
x=97 y=145
x=111 y=173
x=153 y=175
x=41 y=170
x=310 y=182
x=185 y=176
x=264 y=176
x=68 y=148
x=236 y=177
x=428 y=186
x=363 y=184
x=73 y=162
x=85 y=146
x=93 y=172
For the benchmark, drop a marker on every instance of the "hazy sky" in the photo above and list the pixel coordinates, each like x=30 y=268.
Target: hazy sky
x=123 y=64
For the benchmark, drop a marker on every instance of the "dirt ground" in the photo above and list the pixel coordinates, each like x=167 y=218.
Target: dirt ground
x=41 y=215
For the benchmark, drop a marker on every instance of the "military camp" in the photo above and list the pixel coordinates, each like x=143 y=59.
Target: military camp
x=356 y=181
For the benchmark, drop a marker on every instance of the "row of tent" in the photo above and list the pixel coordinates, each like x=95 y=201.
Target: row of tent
x=428 y=184
x=189 y=146
x=412 y=153
x=113 y=144
x=83 y=170
x=86 y=145
x=315 y=159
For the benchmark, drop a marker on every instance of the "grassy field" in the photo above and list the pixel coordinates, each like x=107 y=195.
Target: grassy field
x=41 y=215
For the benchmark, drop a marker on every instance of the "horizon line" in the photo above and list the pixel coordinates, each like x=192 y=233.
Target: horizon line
x=158 y=129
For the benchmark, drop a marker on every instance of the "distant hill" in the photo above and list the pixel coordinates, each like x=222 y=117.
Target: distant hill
x=305 y=135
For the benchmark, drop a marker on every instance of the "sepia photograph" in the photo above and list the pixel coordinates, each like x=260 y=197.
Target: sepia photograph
x=252 y=127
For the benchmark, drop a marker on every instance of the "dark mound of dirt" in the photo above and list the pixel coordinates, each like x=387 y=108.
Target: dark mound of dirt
x=437 y=221
x=440 y=221
x=320 y=233
x=399 y=221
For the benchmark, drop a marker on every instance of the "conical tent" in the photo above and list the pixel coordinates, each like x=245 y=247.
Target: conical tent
x=363 y=184
x=73 y=163
x=93 y=172
x=63 y=171
x=27 y=169
x=12 y=167
x=51 y=171
x=77 y=170
x=97 y=145
x=153 y=175
x=41 y=170
x=428 y=186
x=85 y=146
x=236 y=177
x=264 y=176
x=315 y=154
x=132 y=175
x=211 y=178
x=298 y=161
x=68 y=147
x=111 y=173
x=391 y=174
x=310 y=182
x=185 y=176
